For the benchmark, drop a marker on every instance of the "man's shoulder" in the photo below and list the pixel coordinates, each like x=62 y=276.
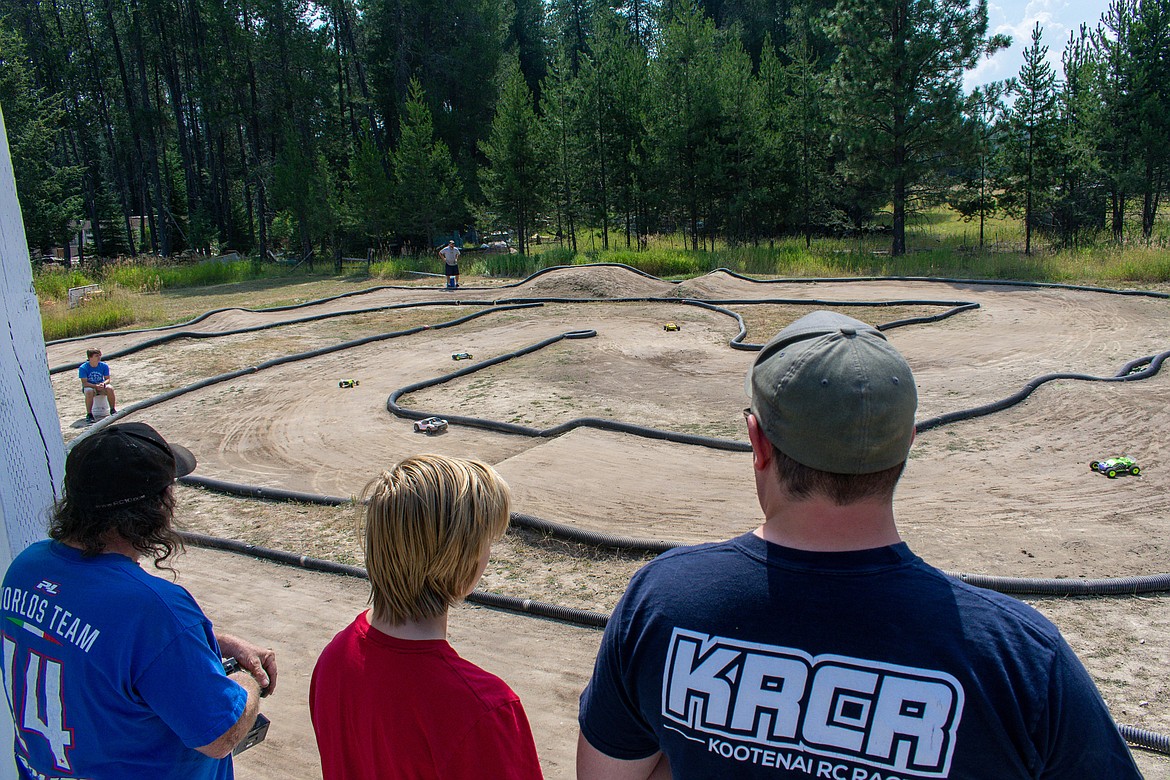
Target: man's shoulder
x=33 y=555
x=998 y=611
x=107 y=582
x=151 y=594
x=683 y=566
x=686 y=555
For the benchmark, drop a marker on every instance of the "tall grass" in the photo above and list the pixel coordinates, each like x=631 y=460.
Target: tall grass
x=153 y=278
x=93 y=316
x=114 y=309
x=929 y=256
x=404 y=267
x=55 y=284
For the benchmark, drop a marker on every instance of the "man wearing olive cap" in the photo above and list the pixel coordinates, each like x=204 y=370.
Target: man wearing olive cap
x=112 y=672
x=819 y=645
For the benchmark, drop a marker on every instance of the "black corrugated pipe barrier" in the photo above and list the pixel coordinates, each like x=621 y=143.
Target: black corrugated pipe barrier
x=158 y=399
x=198 y=334
x=572 y=615
x=543 y=271
x=947 y=280
x=592 y=538
x=1142 y=368
x=267 y=493
x=1110 y=586
x=1146 y=740
x=1140 y=738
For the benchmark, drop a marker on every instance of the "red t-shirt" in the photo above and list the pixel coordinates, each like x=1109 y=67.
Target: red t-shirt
x=386 y=708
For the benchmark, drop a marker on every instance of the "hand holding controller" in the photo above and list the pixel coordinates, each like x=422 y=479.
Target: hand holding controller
x=259 y=729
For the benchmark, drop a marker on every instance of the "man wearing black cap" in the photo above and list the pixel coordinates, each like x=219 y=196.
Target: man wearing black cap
x=111 y=672
x=819 y=645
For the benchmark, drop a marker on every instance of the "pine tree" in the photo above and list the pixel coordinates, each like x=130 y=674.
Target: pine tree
x=684 y=122
x=564 y=147
x=303 y=186
x=736 y=165
x=1031 y=143
x=1079 y=205
x=428 y=194
x=369 y=202
x=802 y=123
x=46 y=188
x=975 y=195
x=1116 y=144
x=611 y=88
x=1151 y=54
x=514 y=180
x=897 y=88
x=451 y=49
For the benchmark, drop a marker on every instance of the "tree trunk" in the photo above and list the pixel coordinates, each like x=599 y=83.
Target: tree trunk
x=1149 y=201
x=899 y=161
x=1118 y=216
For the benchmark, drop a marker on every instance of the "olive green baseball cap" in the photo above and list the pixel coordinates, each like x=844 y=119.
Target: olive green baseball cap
x=833 y=394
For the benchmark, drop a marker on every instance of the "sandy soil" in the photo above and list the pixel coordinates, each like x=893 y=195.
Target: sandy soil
x=1007 y=494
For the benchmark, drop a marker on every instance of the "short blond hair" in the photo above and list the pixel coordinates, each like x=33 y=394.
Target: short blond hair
x=428 y=522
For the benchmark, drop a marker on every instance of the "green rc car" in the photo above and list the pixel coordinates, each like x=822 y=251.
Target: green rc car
x=1113 y=467
x=348 y=383
x=461 y=356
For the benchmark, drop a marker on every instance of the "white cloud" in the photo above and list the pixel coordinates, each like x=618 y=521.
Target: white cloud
x=1056 y=18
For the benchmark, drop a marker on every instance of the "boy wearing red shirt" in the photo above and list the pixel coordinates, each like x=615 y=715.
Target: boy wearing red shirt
x=390 y=698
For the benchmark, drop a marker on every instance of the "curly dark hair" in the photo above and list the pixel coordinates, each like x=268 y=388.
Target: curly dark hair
x=145 y=524
x=842 y=489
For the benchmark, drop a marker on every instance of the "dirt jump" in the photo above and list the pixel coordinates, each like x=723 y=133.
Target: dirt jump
x=605 y=421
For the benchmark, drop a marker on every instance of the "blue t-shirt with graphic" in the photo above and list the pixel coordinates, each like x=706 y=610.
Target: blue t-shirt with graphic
x=94 y=374
x=747 y=659
x=110 y=672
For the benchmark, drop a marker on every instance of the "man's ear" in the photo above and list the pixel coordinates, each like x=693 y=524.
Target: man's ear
x=761 y=447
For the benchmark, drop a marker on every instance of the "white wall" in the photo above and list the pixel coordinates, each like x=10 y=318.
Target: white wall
x=32 y=454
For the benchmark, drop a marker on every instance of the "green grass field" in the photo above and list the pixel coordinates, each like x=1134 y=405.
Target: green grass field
x=939 y=245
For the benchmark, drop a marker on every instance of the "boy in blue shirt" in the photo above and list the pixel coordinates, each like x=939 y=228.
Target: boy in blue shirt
x=95 y=381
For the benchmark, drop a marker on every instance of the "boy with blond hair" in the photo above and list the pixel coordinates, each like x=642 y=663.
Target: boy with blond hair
x=390 y=698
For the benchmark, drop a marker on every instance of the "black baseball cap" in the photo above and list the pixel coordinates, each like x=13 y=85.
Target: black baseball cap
x=123 y=464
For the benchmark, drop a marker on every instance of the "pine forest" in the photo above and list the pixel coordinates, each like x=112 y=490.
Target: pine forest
x=320 y=128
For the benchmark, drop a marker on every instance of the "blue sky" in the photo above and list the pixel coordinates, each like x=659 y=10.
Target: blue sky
x=1056 y=17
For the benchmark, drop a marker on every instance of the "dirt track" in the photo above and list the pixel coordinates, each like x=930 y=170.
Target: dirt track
x=1008 y=494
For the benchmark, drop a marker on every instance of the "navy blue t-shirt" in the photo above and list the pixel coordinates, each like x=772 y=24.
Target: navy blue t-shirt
x=747 y=659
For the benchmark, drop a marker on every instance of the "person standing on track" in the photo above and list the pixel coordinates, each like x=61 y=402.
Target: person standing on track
x=819 y=645
x=450 y=255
